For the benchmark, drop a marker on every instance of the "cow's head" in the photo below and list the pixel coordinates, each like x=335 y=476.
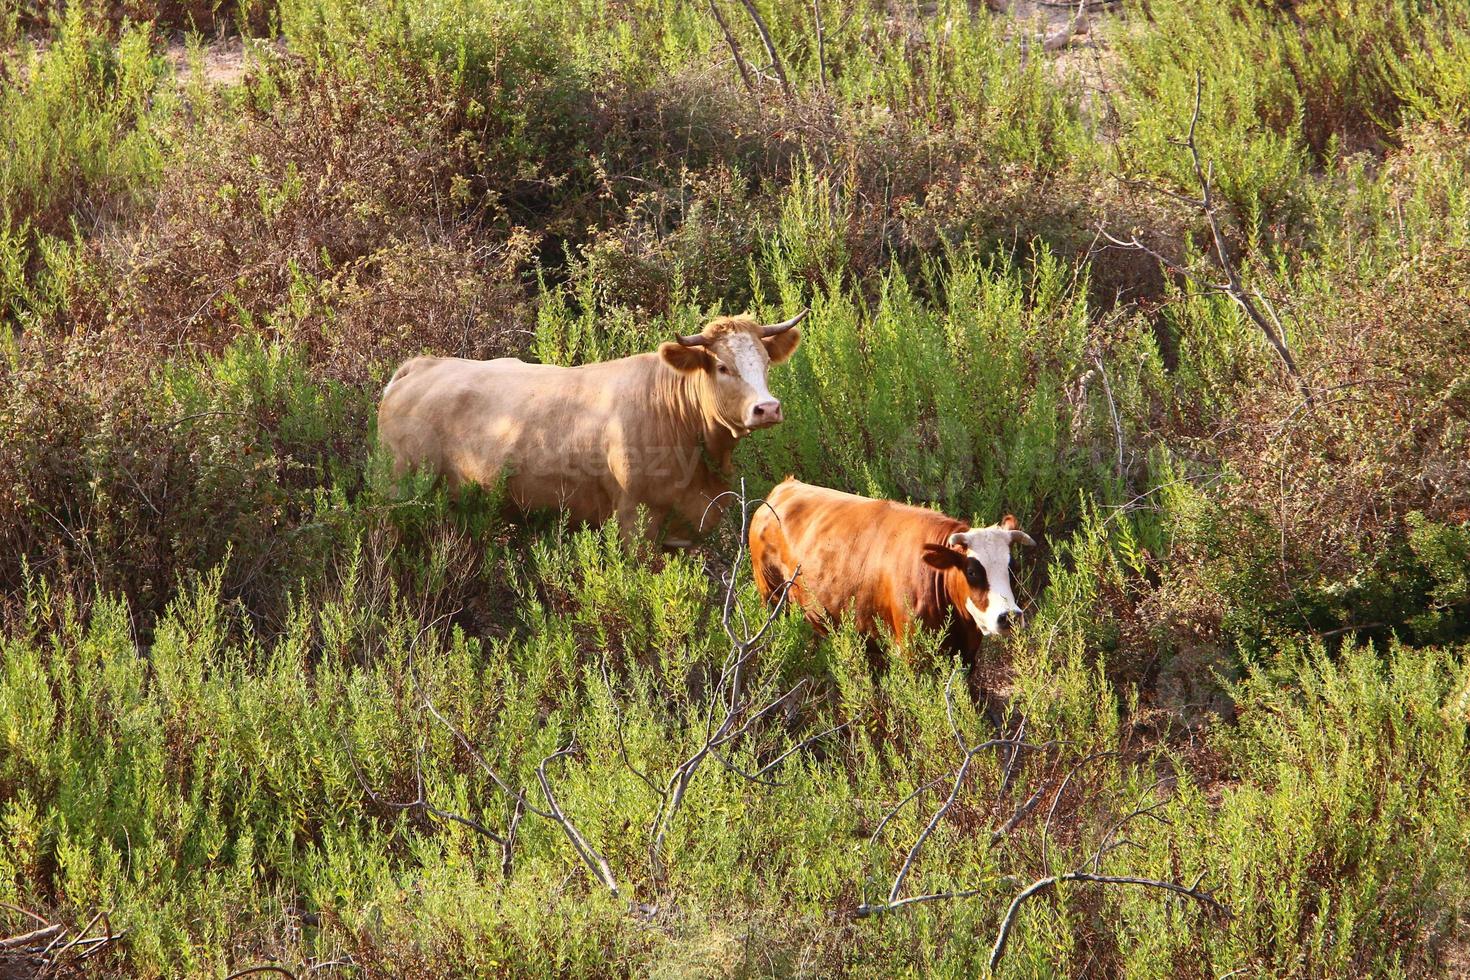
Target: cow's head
x=982 y=557
x=731 y=356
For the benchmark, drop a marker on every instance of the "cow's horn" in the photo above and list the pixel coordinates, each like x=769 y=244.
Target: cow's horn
x=693 y=340
x=770 y=330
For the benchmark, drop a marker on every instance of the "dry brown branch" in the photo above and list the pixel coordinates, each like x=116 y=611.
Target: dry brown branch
x=968 y=752
x=265 y=968
x=420 y=801
x=1232 y=287
x=45 y=934
x=1193 y=891
x=56 y=947
x=734 y=46
x=590 y=857
x=1021 y=813
x=520 y=805
x=1106 y=846
x=25 y=912
x=730 y=697
x=765 y=33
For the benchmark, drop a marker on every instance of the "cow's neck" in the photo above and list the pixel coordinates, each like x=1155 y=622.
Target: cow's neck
x=681 y=398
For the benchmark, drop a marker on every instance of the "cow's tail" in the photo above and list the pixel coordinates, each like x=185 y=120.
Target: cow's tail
x=764 y=570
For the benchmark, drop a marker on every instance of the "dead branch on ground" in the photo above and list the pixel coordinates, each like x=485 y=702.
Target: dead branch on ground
x=53 y=947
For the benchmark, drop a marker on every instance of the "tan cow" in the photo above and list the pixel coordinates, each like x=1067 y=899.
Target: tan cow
x=600 y=439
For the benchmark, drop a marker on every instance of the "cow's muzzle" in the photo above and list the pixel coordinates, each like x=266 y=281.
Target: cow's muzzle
x=763 y=414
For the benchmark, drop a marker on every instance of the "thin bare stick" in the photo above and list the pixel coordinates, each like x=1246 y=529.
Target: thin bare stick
x=420 y=801
x=893 y=902
x=865 y=910
x=594 y=861
x=1204 y=175
x=734 y=46
x=901 y=804
x=35 y=936
x=913 y=854
x=1061 y=791
x=821 y=45
x=106 y=936
x=799 y=746
x=25 y=912
x=729 y=699
x=1193 y=891
x=618 y=728
x=507 y=849
x=1113 y=411
x=1025 y=808
x=480 y=761
x=765 y=33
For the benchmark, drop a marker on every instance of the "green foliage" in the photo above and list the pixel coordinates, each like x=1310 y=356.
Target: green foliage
x=1284 y=84
x=80 y=138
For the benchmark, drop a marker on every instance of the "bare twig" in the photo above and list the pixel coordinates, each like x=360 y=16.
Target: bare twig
x=420 y=801
x=266 y=968
x=1113 y=411
x=25 y=912
x=1106 y=846
x=1204 y=175
x=901 y=804
x=821 y=45
x=1193 y=891
x=765 y=33
x=968 y=752
x=734 y=46
x=594 y=861
x=1021 y=813
x=45 y=934
x=729 y=702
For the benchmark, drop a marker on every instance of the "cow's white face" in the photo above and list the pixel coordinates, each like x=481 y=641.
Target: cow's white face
x=733 y=365
x=984 y=554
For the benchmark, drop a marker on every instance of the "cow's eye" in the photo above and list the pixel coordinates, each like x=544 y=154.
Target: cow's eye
x=975 y=574
x=722 y=369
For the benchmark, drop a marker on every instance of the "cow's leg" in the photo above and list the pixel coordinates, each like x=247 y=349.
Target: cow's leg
x=627 y=515
x=627 y=511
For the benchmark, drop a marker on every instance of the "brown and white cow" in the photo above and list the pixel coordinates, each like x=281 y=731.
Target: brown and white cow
x=888 y=566
x=600 y=439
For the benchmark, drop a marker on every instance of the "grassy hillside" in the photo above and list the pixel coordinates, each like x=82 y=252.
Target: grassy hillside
x=261 y=708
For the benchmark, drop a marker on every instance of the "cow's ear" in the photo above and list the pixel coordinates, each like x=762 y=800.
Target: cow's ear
x=783 y=345
x=942 y=556
x=686 y=359
x=1009 y=523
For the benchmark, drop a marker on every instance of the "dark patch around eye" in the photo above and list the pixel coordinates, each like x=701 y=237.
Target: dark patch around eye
x=975 y=574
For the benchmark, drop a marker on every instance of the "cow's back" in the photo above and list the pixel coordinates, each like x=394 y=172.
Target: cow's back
x=542 y=427
x=857 y=556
